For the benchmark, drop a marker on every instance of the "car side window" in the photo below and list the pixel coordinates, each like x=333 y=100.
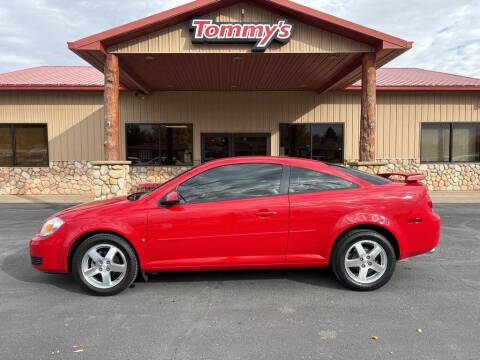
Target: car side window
x=228 y=182
x=306 y=181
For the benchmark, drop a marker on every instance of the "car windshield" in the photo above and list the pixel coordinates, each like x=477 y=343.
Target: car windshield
x=141 y=194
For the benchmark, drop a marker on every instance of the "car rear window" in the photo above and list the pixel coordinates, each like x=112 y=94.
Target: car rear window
x=372 y=179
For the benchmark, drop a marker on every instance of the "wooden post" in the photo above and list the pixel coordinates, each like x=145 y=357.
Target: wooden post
x=111 y=90
x=368 y=120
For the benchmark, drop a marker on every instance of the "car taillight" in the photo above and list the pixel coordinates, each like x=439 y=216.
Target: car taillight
x=429 y=202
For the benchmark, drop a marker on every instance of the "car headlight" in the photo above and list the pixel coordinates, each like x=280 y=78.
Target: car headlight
x=50 y=226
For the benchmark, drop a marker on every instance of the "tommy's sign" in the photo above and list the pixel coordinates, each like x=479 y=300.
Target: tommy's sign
x=209 y=31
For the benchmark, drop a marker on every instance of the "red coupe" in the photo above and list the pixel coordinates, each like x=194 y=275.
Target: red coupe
x=245 y=213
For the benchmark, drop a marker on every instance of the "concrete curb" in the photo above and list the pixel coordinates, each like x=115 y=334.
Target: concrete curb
x=458 y=197
x=56 y=199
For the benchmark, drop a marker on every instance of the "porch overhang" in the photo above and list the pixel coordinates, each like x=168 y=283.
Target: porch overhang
x=239 y=70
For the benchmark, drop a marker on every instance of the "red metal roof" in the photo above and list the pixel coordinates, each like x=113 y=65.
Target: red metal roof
x=89 y=78
x=53 y=78
x=420 y=79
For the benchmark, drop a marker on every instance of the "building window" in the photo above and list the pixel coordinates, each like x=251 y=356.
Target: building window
x=221 y=145
x=450 y=142
x=23 y=145
x=322 y=142
x=159 y=144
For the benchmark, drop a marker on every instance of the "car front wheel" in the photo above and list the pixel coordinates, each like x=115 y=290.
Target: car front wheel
x=104 y=264
x=363 y=260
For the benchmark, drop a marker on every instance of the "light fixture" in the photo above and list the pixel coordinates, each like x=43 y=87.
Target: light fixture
x=237 y=58
x=149 y=57
x=175 y=126
x=140 y=95
x=170 y=86
x=333 y=57
x=302 y=86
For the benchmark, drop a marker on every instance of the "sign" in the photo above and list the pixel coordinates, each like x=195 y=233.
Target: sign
x=209 y=31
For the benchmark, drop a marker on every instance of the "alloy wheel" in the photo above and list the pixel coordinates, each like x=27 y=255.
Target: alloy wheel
x=366 y=261
x=104 y=266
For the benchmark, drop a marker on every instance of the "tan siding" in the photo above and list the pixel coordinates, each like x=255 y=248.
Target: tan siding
x=176 y=39
x=242 y=112
x=75 y=119
x=400 y=114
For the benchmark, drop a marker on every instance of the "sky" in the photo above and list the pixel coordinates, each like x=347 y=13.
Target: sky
x=446 y=33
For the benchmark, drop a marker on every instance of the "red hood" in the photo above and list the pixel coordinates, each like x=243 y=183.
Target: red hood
x=91 y=205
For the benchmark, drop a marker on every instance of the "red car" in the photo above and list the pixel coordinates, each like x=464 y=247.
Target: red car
x=245 y=213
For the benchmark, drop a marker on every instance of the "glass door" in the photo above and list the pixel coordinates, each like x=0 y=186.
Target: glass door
x=221 y=145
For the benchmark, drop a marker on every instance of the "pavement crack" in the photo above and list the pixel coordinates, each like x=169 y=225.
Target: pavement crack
x=205 y=295
x=457 y=278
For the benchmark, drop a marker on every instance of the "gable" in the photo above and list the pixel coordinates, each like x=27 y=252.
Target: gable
x=177 y=38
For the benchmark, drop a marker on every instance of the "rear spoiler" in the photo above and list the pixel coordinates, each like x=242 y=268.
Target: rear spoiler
x=408 y=178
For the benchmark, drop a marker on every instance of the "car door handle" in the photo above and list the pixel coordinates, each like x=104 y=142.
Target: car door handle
x=266 y=213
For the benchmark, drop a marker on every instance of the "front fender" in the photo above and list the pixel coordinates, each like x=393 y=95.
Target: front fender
x=133 y=230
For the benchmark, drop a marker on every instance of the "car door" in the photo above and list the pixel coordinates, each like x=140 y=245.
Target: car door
x=228 y=215
x=317 y=201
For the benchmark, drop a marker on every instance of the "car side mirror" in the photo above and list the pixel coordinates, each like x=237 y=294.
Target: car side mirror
x=171 y=198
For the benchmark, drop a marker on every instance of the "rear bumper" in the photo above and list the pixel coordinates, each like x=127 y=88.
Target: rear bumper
x=422 y=237
x=47 y=254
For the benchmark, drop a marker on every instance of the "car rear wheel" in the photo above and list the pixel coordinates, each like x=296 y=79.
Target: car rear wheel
x=105 y=264
x=363 y=260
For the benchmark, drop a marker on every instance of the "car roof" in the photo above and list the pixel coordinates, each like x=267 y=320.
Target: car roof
x=268 y=159
x=284 y=160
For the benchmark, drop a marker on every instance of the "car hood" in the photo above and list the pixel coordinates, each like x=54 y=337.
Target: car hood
x=94 y=205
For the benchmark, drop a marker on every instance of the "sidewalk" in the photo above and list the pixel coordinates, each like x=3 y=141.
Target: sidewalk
x=437 y=197
x=57 y=199
x=455 y=196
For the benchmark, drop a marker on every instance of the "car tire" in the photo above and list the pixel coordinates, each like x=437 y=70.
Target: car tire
x=105 y=264
x=363 y=260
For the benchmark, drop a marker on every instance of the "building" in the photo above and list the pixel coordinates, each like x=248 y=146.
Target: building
x=216 y=78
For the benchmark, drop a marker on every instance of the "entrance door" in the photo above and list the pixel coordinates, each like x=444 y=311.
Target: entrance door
x=221 y=145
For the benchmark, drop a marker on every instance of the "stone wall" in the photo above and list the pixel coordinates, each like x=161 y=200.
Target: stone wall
x=109 y=179
x=153 y=174
x=61 y=177
x=440 y=177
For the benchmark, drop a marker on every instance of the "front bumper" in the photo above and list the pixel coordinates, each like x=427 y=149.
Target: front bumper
x=47 y=254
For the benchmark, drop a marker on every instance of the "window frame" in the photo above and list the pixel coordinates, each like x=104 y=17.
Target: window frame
x=450 y=141
x=160 y=124
x=284 y=183
x=355 y=185
x=342 y=124
x=14 y=144
x=231 y=136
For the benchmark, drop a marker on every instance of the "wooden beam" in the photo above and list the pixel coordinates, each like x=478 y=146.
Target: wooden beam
x=130 y=77
x=368 y=117
x=345 y=71
x=111 y=92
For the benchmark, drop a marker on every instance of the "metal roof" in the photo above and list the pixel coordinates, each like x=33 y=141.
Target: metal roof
x=89 y=78
x=418 y=79
x=53 y=78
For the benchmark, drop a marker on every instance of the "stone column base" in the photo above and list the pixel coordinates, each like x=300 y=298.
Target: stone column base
x=110 y=178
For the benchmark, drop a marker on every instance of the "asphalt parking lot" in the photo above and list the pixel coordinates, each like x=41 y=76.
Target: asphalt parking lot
x=268 y=314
